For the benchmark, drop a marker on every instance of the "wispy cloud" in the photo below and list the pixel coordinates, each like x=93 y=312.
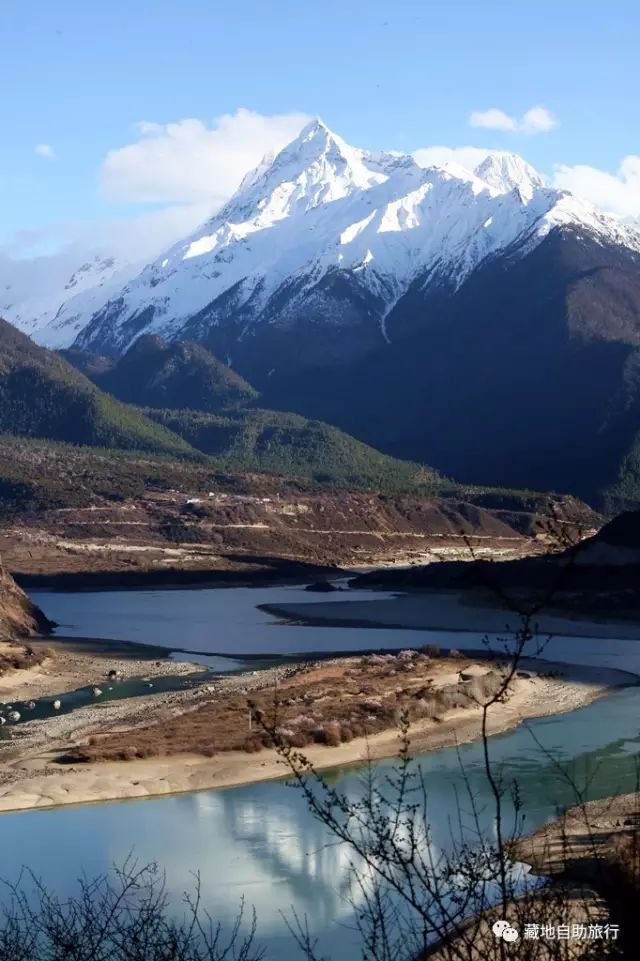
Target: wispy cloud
x=536 y=120
x=45 y=150
x=189 y=161
x=617 y=193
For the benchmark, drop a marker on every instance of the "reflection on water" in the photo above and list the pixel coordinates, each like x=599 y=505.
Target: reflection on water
x=260 y=840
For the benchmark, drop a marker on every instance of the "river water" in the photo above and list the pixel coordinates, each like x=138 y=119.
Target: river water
x=222 y=620
x=227 y=621
x=259 y=840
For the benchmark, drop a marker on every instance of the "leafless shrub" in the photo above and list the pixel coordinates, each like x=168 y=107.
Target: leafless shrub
x=125 y=915
x=432 y=650
x=416 y=901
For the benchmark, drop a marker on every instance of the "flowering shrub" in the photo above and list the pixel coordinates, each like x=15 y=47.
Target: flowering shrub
x=303 y=720
x=371 y=704
x=376 y=659
x=284 y=732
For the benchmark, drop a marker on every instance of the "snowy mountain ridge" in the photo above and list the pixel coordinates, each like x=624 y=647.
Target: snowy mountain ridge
x=55 y=315
x=314 y=230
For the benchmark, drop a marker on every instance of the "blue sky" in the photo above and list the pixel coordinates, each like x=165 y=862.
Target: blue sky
x=78 y=76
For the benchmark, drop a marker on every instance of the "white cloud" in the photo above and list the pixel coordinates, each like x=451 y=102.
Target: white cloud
x=23 y=277
x=617 y=193
x=493 y=119
x=188 y=161
x=145 y=237
x=536 y=120
x=59 y=248
x=188 y=167
x=45 y=150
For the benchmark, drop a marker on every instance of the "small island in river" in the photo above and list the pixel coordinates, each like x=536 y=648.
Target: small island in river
x=218 y=733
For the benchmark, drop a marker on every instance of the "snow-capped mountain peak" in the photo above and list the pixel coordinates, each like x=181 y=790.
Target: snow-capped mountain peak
x=253 y=176
x=319 y=217
x=315 y=168
x=508 y=171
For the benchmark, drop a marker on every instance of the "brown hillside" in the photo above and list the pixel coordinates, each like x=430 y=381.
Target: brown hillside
x=18 y=616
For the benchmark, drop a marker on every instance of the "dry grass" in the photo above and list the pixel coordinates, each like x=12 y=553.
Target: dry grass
x=329 y=703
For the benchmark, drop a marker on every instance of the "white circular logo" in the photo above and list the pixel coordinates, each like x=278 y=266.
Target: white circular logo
x=502 y=929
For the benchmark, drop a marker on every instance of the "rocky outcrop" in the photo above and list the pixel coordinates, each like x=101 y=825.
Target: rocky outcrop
x=596 y=575
x=19 y=617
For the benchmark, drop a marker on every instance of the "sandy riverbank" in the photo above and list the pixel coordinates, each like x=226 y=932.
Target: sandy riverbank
x=36 y=781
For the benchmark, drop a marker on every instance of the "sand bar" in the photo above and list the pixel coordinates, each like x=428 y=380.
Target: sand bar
x=37 y=781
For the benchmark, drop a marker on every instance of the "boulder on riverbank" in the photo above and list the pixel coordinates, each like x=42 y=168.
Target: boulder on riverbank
x=322 y=587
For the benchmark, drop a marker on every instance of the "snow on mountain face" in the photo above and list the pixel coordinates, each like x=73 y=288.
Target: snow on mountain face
x=55 y=315
x=506 y=171
x=318 y=212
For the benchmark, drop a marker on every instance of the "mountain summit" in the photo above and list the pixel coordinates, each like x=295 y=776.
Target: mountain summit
x=326 y=236
x=507 y=171
x=475 y=319
x=329 y=238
